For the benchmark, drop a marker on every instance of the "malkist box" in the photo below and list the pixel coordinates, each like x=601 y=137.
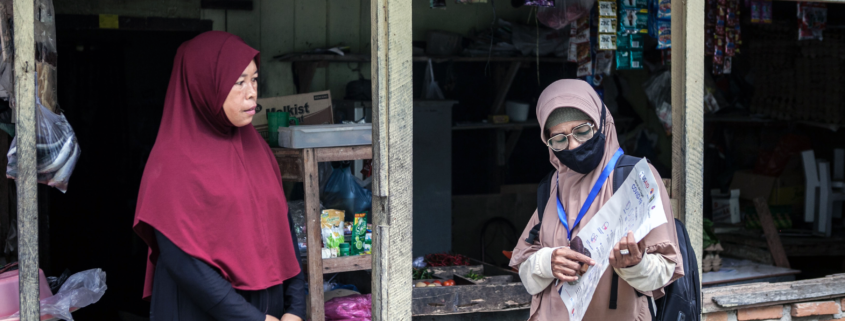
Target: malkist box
x=311 y=109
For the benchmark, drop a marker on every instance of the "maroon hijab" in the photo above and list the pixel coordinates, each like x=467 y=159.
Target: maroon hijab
x=214 y=189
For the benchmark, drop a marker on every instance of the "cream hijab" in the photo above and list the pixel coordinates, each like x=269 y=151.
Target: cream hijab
x=573 y=189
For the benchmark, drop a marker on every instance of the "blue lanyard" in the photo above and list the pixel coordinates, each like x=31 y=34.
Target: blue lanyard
x=561 y=213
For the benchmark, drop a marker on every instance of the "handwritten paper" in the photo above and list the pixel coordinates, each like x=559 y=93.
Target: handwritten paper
x=635 y=207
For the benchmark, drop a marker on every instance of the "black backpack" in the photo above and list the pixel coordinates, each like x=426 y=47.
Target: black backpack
x=681 y=301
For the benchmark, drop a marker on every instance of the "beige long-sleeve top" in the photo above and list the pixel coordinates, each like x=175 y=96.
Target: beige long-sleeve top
x=650 y=274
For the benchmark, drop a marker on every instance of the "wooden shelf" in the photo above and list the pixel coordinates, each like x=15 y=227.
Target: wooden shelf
x=367 y=58
x=348 y=263
x=515 y=125
x=301 y=165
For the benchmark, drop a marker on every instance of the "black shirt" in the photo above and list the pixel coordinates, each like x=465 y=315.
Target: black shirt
x=186 y=289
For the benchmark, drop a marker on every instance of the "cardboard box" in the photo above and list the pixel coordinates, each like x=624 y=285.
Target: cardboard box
x=787 y=189
x=726 y=206
x=311 y=109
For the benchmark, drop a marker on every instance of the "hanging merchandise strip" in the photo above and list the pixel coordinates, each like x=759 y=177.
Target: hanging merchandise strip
x=723 y=33
x=633 y=23
x=607 y=25
x=812 y=19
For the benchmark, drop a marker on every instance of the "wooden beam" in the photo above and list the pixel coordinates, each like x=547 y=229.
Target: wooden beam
x=505 y=87
x=771 y=232
x=24 y=16
x=392 y=158
x=688 y=117
x=312 y=227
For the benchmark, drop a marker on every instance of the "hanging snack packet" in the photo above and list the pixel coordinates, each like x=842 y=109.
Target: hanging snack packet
x=664 y=34
x=583 y=53
x=573 y=52
x=583 y=36
x=607 y=25
x=756 y=11
x=607 y=8
x=607 y=42
x=637 y=59
x=633 y=20
x=604 y=62
x=766 y=11
x=664 y=9
x=331 y=224
x=636 y=41
x=623 y=42
x=726 y=69
x=666 y=56
x=585 y=69
x=623 y=59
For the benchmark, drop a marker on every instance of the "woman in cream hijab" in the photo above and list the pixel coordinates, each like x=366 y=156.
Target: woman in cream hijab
x=581 y=138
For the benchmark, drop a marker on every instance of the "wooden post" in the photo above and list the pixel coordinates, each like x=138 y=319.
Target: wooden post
x=392 y=158
x=688 y=116
x=311 y=182
x=24 y=16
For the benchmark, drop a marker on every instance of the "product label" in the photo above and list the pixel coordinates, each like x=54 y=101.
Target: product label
x=607 y=42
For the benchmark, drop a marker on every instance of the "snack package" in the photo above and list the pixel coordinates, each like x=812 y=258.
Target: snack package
x=585 y=69
x=604 y=62
x=359 y=232
x=812 y=20
x=583 y=53
x=607 y=25
x=623 y=59
x=726 y=67
x=766 y=11
x=756 y=11
x=607 y=8
x=664 y=9
x=636 y=41
x=331 y=224
x=664 y=34
x=623 y=42
x=607 y=42
x=368 y=242
x=637 y=59
x=633 y=20
x=573 y=52
x=637 y=4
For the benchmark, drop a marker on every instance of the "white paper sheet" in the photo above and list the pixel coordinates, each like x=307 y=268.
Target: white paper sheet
x=635 y=207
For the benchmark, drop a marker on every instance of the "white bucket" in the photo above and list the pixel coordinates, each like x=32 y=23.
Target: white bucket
x=517 y=111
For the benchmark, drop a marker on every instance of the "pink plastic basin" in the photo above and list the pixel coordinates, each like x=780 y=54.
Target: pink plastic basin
x=9 y=293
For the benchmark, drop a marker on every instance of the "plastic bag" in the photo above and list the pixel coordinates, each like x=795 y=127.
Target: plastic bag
x=563 y=13
x=658 y=90
x=296 y=210
x=56 y=149
x=419 y=262
x=349 y=308
x=432 y=89
x=80 y=290
x=342 y=192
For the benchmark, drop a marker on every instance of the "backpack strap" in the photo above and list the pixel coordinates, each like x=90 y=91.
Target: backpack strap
x=620 y=173
x=543 y=192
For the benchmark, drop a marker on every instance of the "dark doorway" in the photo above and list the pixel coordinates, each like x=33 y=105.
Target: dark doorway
x=111 y=85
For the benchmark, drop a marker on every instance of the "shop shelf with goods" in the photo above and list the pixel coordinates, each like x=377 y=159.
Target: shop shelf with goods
x=300 y=165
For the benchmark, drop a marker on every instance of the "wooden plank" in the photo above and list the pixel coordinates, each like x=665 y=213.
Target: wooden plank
x=24 y=62
x=688 y=117
x=469 y=299
x=517 y=126
x=277 y=37
x=333 y=154
x=505 y=87
x=310 y=33
x=794 y=293
x=312 y=227
x=217 y=17
x=348 y=263
x=246 y=24
x=393 y=161
x=771 y=232
x=708 y=305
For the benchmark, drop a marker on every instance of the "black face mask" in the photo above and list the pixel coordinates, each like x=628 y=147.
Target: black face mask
x=584 y=158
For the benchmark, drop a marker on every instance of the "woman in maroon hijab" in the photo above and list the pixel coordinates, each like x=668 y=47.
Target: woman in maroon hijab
x=211 y=205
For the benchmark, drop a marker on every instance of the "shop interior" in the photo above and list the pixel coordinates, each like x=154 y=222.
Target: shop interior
x=773 y=92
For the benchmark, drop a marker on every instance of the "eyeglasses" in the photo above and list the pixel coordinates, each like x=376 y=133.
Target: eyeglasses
x=581 y=133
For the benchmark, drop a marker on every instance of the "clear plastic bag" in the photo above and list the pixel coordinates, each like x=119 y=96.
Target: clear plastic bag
x=342 y=192
x=563 y=13
x=658 y=90
x=350 y=308
x=296 y=210
x=80 y=290
x=56 y=149
x=432 y=89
